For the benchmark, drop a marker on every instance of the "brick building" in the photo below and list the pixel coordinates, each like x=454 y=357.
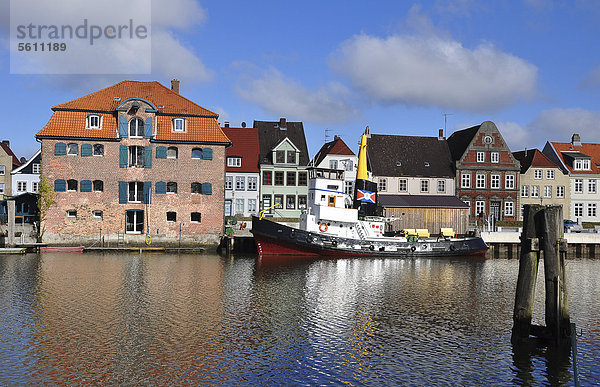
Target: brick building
x=487 y=174
x=135 y=163
x=8 y=162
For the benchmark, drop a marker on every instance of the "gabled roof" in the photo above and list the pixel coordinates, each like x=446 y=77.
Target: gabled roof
x=421 y=201
x=69 y=118
x=533 y=158
x=245 y=145
x=37 y=156
x=270 y=135
x=109 y=98
x=9 y=152
x=567 y=152
x=459 y=141
x=392 y=155
x=335 y=147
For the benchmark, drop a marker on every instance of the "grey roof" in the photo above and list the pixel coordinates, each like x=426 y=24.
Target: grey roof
x=270 y=135
x=391 y=155
x=460 y=140
x=427 y=201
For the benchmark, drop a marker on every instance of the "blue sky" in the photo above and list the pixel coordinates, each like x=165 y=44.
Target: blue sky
x=532 y=67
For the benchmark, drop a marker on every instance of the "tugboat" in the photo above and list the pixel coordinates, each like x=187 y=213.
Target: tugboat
x=336 y=225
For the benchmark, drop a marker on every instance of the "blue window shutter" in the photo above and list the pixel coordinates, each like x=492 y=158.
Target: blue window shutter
x=85 y=186
x=60 y=185
x=148 y=157
x=122 y=192
x=60 y=148
x=147 y=192
x=206 y=189
x=123 y=127
x=207 y=154
x=148 y=127
x=123 y=156
x=161 y=152
x=161 y=187
x=86 y=150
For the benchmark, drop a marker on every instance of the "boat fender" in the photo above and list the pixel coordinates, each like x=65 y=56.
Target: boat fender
x=371 y=247
x=309 y=239
x=413 y=248
x=323 y=227
x=334 y=243
x=452 y=247
x=292 y=235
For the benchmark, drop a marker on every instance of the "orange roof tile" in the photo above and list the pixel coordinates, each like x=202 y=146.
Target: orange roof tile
x=197 y=129
x=589 y=149
x=155 y=92
x=69 y=118
x=72 y=124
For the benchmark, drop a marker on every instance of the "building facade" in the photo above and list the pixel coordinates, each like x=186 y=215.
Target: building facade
x=487 y=174
x=283 y=164
x=541 y=181
x=241 y=172
x=26 y=178
x=581 y=162
x=337 y=155
x=8 y=162
x=134 y=163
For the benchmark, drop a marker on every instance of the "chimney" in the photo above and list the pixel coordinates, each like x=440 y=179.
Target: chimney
x=441 y=134
x=576 y=140
x=336 y=137
x=243 y=124
x=227 y=124
x=282 y=123
x=175 y=85
x=6 y=142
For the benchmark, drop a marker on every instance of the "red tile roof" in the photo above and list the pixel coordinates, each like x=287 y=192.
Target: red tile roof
x=588 y=149
x=9 y=152
x=335 y=147
x=69 y=118
x=246 y=146
x=533 y=158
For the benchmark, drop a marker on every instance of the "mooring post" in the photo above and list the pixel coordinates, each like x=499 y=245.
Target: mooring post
x=10 y=242
x=557 y=315
x=528 y=267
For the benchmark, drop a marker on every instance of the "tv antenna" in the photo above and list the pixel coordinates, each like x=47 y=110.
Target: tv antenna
x=445 y=122
x=327 y=136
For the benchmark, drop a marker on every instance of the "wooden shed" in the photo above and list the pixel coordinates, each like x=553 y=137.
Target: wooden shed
x=425 y=211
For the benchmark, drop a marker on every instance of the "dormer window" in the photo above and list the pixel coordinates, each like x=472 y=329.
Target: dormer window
x=178 y=125
x=93 y=121
x=234 y=162
x=582 y=165
x=280 y=157
x=291 y=157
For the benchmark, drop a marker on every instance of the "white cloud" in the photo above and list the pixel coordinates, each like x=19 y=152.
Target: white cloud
x=517 y=136
x=425 y=70
x=560 y=124
x=285 y=97
x=126 y=56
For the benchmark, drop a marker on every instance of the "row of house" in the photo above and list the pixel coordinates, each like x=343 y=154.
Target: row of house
x=139 y=162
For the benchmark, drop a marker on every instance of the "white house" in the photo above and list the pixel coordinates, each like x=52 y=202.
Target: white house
x=337 y=155
x=26 y=178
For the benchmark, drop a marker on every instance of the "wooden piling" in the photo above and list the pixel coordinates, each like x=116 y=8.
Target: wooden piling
x=528 y=268
x=10 y=241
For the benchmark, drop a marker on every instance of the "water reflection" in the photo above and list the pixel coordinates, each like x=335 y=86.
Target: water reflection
x=164 y=319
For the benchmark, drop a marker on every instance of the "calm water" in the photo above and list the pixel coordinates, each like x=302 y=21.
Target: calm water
x=167 y=319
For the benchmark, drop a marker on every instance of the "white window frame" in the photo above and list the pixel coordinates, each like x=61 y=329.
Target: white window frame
x=252 y=183
x=495 y=182
x=509 y=209
x=441 y=186
x=578 y=186
x=479 y=207
x=465 y=180
x=240 y=183
x=179 y=124
x=137 y=132
x=481 y=157
x=235 y=162
x=524 y=191
x=229 y=183
x=592 y=186
x=71 y=146
x=550 y=174
x=333 y=164
x=535 y=191
x=495 y=157
x=2 y=170
x=591 y=210
x=35 y=186
x=480 y=181
x=424 y=185
x=402 y=185
x=578 y=210
x=239 y=206
x=251 y=205
x=138 y=191
x=509 y=181
x=36 y=168
x=21 y=186
x=537 y=174
x=547 y=191
x=382 y=185
x=1 y=188
x=89 y=124
x=72 y=214
x=560 y=191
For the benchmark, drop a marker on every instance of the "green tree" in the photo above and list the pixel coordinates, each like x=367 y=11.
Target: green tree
x=46 y=199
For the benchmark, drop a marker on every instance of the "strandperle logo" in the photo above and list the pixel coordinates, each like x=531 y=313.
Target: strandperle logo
x=85 y=30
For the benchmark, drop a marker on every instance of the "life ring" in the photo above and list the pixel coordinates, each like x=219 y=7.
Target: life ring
x=148 y=239
x=371 y=247
x=413 y=248
x=323 y=227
